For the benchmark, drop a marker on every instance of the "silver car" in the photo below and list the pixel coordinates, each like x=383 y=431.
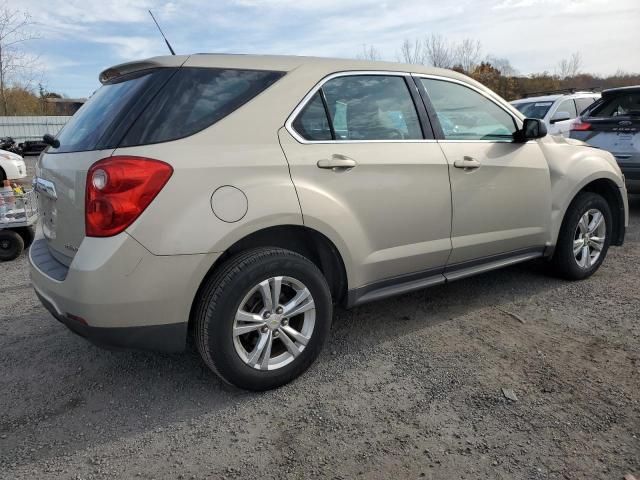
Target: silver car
x=238 y=198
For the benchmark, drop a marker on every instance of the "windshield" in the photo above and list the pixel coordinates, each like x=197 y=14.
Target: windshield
x=627 y=104
x=533 y=109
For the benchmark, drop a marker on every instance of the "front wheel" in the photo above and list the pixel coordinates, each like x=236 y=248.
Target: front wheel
x=584 y=237
x=263 y=318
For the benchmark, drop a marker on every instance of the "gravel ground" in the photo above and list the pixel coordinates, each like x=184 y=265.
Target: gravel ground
x=406 y=388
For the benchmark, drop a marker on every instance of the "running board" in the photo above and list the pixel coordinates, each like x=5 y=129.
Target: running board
x=412 y=282
x=454 y=273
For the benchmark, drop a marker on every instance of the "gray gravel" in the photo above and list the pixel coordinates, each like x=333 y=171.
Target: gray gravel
x=406 y=388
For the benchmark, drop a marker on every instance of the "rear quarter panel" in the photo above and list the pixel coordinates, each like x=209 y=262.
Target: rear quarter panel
x=241 y=150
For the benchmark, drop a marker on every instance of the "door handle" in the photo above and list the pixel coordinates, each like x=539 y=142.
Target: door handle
x=467 y=163
x=337 y=162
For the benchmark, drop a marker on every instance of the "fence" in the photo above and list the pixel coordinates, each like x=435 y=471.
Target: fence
x=30 y=128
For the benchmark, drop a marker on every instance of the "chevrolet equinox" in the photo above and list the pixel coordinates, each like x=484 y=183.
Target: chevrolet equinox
x=238 y=198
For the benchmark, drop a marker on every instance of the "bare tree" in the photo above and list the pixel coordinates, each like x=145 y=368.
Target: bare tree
x=16 y=28
x=369 y=52
x=570 y=67
x=468 y=54
x=437 y=51
x=412 y=52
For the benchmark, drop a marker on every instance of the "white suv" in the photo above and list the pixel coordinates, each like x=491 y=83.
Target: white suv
x=558 y=110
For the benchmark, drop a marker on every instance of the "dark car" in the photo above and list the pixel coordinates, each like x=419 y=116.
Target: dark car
x=613 y=124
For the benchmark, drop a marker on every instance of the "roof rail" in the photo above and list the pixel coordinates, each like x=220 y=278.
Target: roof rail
x=562 y=91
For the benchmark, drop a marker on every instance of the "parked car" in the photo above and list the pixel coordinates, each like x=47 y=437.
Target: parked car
x=556 y=110
x=613 y=124
x=32 y=147
x=239 y=197
x=12 y=166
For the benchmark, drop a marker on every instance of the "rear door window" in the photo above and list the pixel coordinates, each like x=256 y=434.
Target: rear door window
x=312 y=123
x=569 y=107
x=360 y=107
x=584 y=103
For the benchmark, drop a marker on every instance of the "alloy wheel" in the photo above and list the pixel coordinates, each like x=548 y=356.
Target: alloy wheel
x=274 y=323
x=589 y=238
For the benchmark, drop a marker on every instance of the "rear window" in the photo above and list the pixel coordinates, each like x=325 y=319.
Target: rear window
x=160 y=105
x=109 y=110
x=623 y=104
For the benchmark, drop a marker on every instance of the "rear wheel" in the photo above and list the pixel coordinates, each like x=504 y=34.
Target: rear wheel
x=11 y=245
x=263 y=318
x=584 y=237
x=3 y=176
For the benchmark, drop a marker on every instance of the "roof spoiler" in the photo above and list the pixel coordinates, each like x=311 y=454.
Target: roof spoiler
x=562 y=90
x=116 y=71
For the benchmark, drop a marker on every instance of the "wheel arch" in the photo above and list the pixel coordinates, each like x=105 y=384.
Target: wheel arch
x=303 y=240
x=613 y=194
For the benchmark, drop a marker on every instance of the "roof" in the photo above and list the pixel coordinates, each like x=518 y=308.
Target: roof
x=553 y=98
x=285 y=63
x=616 y=91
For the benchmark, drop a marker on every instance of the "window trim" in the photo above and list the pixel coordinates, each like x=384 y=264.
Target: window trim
x=438 y=132
x=425 y=125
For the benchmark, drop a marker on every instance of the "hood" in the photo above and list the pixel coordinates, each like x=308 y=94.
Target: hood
x=10 y=155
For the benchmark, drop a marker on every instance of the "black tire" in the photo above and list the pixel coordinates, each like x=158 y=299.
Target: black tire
x=11 y=245
x=564 y=262
x=3 y=175
x=28 y=234
x=220 y=298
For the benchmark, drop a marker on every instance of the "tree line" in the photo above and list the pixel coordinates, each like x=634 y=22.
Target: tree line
x=497 y=73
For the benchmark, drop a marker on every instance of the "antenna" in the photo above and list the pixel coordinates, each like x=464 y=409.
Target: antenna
x=162 y=33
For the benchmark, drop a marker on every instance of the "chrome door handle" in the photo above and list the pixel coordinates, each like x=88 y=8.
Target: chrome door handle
x=467 y=163
x=337 y=162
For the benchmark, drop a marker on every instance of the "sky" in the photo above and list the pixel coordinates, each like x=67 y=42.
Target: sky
x=78 y=39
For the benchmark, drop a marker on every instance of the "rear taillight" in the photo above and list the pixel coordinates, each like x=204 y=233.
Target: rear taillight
x=119 y=189
x=579 y=125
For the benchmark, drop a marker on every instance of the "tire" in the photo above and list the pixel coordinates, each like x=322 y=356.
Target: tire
x=236 y=285
x=28 y=234
x=11 y=245
x=3 y=175
x=564 y=261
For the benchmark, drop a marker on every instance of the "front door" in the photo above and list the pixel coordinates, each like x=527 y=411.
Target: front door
x=501 y=190
x=368 y=178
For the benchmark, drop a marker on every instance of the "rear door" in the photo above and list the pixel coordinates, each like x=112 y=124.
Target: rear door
x=501 y=190
x=365 y=170
x=566 y=109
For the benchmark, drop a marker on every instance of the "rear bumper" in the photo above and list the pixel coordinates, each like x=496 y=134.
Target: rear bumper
x=117 y=294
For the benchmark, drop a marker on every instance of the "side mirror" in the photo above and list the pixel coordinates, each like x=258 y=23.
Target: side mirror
x=560 y=117
x=532 y=128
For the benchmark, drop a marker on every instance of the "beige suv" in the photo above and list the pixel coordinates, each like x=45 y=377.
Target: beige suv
x=239 y=198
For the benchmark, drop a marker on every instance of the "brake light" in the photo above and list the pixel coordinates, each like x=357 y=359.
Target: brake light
x=579 y=125
x=119 y=189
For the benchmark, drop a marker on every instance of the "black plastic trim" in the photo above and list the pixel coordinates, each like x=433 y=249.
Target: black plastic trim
x=170 y=338
x=436 y=276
